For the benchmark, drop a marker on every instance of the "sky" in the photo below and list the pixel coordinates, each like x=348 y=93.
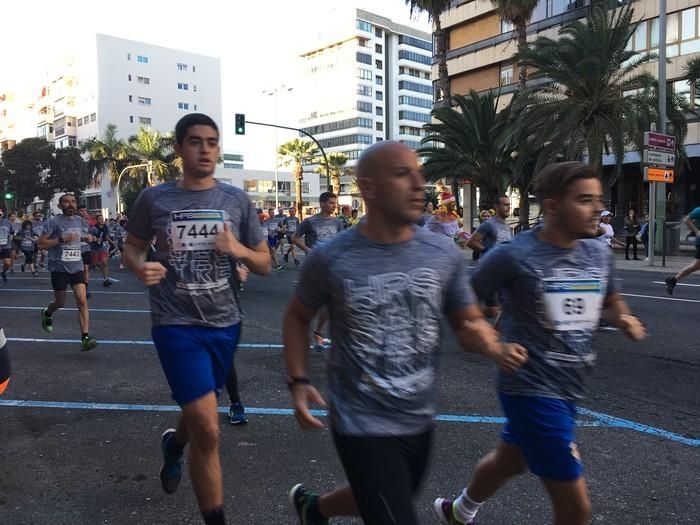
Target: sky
x=258 y=42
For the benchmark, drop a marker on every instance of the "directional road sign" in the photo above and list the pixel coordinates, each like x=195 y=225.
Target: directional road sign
x=658 y=175
x=659 y=158
x=660 y=141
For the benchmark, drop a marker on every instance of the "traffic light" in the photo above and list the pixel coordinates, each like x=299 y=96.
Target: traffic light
x=240 y=124
x=9 y=196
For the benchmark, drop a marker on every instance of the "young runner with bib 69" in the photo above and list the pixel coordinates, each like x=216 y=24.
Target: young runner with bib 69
x=554 y=282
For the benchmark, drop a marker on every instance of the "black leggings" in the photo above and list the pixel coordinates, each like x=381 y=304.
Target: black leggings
x=633 y=242
x=232 y=384
x=385 y=473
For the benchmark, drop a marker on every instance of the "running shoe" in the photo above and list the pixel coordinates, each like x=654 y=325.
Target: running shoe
x=107 y=283
x=302 y=500
x=236 y=414
x=286 y=257
x=445 y=514
x=87 y=344
x=322 y=346
x=296 y=262
x=46 y=321
x=4 y=277
x=35 y=273
x=21 y=267
x=171 y=470
x=670 y=284
x=279 y=268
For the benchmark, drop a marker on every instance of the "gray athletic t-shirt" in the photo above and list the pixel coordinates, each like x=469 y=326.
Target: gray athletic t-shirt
x=291 y=224
x=494 y=231
x=196 y=290
x=5 y=234
x=273 y=224
x=317 y=230
x=551 y=299
x=66 y=257
x=385 y=303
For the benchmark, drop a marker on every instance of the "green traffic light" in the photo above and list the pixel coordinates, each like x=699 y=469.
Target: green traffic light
x=8 y=196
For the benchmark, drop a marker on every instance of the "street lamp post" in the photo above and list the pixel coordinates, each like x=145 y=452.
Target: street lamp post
x=274 y=93
x=148 y=165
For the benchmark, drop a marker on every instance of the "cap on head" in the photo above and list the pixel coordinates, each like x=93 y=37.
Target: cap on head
x=606 y=213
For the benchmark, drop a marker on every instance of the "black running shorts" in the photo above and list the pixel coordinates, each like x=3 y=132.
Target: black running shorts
x=87 y=258
x=385 y=474
x=61 y=280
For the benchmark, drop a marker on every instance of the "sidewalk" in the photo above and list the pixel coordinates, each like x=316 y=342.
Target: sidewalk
x=673 y=264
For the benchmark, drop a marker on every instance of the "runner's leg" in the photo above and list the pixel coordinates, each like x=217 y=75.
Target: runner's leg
x=79 y=291
x=58 y=302
x=494 y=470
x=570 y=501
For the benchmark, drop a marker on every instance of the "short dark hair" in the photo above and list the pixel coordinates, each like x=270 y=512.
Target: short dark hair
x=498 y=199
x=553 y=180
x=326 y=195
x=190 y=120
x=26 y=223
x=60 y=199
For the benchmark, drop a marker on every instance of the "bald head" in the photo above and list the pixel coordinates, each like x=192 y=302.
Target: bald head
x=373 y=158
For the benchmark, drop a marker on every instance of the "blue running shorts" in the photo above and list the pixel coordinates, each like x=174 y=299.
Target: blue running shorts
x=543 y=429
x=196 y=359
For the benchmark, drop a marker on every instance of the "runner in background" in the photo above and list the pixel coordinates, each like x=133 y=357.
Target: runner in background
x=99 y=248
x=5 y=368
x=693 y=222
x=493 y=231
x=6 y=241
x=291 y=223
x=85 y=251
x=27 y=243
x=38 y=224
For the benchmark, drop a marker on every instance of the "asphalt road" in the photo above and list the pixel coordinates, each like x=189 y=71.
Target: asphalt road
x=79 y=432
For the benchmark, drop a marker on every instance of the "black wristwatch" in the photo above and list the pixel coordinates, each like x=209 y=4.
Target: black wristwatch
x=297 y=381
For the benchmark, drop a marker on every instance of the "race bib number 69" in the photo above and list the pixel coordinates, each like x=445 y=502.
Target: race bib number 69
x=195 y=229
x=573 y=304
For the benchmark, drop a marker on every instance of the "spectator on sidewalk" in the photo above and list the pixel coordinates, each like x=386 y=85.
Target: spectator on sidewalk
x=632 y=228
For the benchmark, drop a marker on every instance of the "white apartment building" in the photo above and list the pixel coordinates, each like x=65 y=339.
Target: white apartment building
x=131 y=85
x=16 y=119
x=367 y=81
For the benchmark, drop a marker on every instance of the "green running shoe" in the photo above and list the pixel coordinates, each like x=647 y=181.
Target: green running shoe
x=46 y=321
x=88 y=343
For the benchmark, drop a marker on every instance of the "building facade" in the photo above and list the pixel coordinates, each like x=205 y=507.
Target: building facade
x=480 y=47
x=16 y=119
x=368 y=81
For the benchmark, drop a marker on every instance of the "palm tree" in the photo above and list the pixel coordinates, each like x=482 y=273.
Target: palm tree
x=518 y=14
x=106 y=155
x=148 y=145
x=336 y=168
x=692 y=70
x=468 y=142
x=434 y=8
x=298 y=152
x=587 y=73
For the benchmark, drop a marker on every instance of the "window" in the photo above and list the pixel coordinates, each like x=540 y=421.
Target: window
x=364 y=26
x=415 y=57
x=379 y=95
x=364 y=74
x=639 y=40
x=233 y=166
x=93 y=117
x=688 y=31
x=131 y=119
x=414 y=144
x=506 y=27
x=379 y=64
x=233 y=157
x=128 y=56
x=378 y=139
x=411 y=130
x=194 y=87
x=378 y=48
x=365 y=107
x=195 y=107
x=194 y=69
x=413 y=86
x=363 y=58
x=181 y=66
x=144 y=101
x=182 y=86
x=379 y=126
x=141 y=59
x=379 y=80
x=344 y=140
x=378 y=32
x=143 y=80
x=146 y=121
x=415 y=42
x=363 y=42
x=80 y=122
x=365 y=91
x=379 y=111
x=183 y=105
x=131 y=98
x=414 y=115
x=338 y=125
x=129 y=78
x=415 y=101
x=506 y=74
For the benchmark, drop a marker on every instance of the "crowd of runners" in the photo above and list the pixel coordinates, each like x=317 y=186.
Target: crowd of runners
x=384 y=285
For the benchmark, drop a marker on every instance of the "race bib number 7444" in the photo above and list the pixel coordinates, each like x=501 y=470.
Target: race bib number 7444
x=192 y=230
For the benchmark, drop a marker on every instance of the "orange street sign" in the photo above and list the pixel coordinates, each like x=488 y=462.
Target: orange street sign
x=658 y=175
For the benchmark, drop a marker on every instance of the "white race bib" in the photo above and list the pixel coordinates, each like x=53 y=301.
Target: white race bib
x=192 y=230
x=71 y=255
x=3 y=241
x=573 y=304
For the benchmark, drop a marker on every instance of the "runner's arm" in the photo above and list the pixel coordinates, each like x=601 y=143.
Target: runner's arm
x=134 y=255
x=298 y=240
x=691 y=224
x=476 y=335
x=618 y=313
x=295 y=336
x=474 y=242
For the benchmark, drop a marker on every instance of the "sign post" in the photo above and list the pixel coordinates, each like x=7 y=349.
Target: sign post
x=659 y=160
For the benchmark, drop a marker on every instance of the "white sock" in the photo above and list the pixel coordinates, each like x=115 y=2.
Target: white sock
x=465 y=508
